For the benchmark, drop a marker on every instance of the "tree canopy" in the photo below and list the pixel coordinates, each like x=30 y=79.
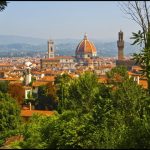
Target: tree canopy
x=139 y=12
x=9 y=116
x=94 y=116
x=3 y=5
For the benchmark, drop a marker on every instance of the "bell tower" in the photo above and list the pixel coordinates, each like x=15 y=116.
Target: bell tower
x=50 y=49
x=120 y=44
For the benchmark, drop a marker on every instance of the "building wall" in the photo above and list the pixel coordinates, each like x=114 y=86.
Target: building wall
x=57 y=63
x=26 y=93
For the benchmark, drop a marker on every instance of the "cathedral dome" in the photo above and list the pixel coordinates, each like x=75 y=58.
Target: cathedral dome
x=86 y=47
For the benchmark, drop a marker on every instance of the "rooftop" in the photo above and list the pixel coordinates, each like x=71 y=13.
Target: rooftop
x=29 y=113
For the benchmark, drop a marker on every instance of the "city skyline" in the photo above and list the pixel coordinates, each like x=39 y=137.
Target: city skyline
x=61 y=20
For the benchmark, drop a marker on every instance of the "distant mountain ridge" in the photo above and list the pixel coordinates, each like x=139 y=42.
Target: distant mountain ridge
x=16 y=44
x=11 y=39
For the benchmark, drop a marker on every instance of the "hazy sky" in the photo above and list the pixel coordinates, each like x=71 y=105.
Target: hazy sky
x=64 y=19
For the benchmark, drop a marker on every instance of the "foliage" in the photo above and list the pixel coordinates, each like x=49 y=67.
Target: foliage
x=139 y=12
x=42 y=98
x=82 y=92
x=16 y=88
x=62 y=83
x=31 y=133
x=3 y=5
x=51 y=93
x=9 y=111
x=4 y=86
x=97 y=117
x=47 y=96
x=9 y=116
x=138 y=37
x=117 y=75
x=133 y=102
x=59 y=132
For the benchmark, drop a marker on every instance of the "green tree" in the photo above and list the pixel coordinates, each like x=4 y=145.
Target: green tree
x=121 y=114
x=47 y=97
x=83 y=91
x=9 y=115
x=132 y=103
x=14 y=89
x=117 y=75
x=3 y=5
x=4 y=86
x=31 y=133
x=42 y=98
x=51 y=93
x=62 y=83
x=68 y=130
x=130 y=113
x=139 y=12
x=98 y=116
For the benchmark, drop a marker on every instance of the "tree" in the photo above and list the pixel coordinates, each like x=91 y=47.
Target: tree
x=4 y=86
x=130 y=114
x=131 y=103
x=121 y=116
x=9 y=115
x=32 y=133
x=47 y=96
x=17 y=91
x=97 y=117
x=62 y=83
x=139 y=12
x=42 y=98
x=117 y=75
x=51 y=94
x=61 y=131
x=3 y=5
x=81 y=92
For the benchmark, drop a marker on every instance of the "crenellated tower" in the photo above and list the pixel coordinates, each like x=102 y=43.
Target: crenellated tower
x=120 y=44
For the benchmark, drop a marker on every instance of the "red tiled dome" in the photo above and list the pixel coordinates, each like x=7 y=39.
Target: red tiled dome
x=85 y=46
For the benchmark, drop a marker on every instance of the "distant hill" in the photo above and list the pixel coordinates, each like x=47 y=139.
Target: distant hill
x=11 y=39
x=28 y=45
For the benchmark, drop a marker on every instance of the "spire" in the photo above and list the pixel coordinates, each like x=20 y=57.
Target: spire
x=120 y=31
x=85 y=36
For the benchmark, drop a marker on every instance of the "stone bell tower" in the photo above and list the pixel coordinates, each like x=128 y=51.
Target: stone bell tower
x=50 y=49
x=120 y=44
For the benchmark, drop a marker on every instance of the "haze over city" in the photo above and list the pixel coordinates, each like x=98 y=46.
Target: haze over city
x=71 y=77
x=60 y=20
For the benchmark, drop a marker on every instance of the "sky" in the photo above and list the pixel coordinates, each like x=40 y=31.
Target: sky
x=101 y=20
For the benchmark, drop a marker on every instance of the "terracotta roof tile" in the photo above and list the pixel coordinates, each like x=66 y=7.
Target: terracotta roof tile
x=143 y=83
x=29 y=113
x=9 y=79
x=38 y=83
x=47 y=78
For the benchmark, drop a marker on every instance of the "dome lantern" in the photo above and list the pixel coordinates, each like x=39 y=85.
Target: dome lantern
x=85 y=36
